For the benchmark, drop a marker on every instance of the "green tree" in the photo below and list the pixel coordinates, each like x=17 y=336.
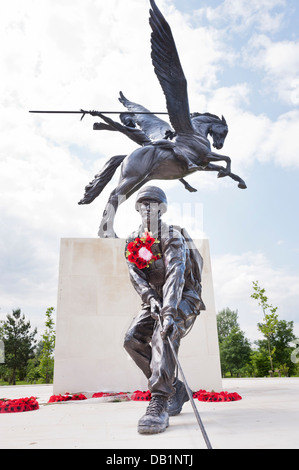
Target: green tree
x=19 y=344
x=235 y=352
x=259 y=362
x=234 y=347
x=2 y=353
x=281 y=341
x=46 y=365
x=269 y=325
x=227 y=319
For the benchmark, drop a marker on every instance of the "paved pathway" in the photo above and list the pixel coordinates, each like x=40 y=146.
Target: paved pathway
x=266 y=418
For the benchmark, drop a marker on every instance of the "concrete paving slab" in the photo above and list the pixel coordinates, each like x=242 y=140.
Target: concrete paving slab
x=267 y=417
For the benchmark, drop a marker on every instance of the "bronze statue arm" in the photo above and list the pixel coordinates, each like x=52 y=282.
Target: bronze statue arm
x=100 y=126
x=133 y=133
x=174 y=256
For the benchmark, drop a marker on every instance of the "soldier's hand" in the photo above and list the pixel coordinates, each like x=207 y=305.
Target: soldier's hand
x=169 y=328
x=155 y=308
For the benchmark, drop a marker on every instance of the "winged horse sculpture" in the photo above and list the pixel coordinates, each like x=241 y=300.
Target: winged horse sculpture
x=166 y=152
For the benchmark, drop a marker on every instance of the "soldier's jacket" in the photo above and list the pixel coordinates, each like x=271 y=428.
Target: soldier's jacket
x=175 y=277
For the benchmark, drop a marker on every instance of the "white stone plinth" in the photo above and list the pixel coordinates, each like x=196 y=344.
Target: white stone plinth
x=96 y=304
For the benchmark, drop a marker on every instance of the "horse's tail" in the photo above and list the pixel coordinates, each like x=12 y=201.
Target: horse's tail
x=101 y=179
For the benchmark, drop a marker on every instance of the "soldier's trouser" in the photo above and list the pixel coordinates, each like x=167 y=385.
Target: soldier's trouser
x=156 y=359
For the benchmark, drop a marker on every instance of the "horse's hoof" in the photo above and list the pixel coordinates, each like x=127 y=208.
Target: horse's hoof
x=190 y=189
x=107 y=235
x=103 y=234
x=83 y=201
x=222 y=174
x=242 y=186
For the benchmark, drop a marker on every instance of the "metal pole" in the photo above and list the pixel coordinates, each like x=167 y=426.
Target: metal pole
x=200 y=423
x=102 y=112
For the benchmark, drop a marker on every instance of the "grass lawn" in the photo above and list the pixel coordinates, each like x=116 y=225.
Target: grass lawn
x=18 y=382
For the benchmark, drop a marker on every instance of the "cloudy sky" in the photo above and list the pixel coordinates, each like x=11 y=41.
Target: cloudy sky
x=241 y=59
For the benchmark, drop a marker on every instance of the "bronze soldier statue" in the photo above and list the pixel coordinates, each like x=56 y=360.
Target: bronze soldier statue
x=165 y=269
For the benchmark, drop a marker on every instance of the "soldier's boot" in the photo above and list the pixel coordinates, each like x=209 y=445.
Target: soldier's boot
x=175 y=402
x=156 y=418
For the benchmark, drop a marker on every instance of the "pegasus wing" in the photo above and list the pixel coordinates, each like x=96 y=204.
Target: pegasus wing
x=154 y=127
x=169 y=71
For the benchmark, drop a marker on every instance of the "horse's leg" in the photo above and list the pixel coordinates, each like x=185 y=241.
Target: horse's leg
x=134 y=172
x=242 y=184
x=119 y=195
x=137 y=187
x=106 y=227
x=214 y=157
x=209 y=167
x=187 y=186
x=222 y=173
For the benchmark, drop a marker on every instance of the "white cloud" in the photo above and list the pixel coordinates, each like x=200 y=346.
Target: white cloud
x=281 y=142
x=243 y=15
x=233 y=276
x=280 y=63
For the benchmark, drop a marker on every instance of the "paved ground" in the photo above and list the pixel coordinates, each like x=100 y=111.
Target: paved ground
x=266 y=418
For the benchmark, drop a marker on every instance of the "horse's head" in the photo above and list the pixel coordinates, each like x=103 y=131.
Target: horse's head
x=219 y=131
x=211 y=124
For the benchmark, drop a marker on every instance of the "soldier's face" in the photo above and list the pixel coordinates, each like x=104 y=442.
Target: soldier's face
x=150 y=213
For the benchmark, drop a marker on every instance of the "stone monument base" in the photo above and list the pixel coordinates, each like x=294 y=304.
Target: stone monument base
x=96 y=304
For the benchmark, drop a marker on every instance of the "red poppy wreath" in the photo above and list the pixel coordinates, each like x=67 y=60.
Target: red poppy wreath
x=18 y=405
x=66 y=397
x=140 y=252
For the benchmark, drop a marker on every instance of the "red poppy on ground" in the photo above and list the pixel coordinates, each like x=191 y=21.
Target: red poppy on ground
x=66 y=397
x=106 y=394
x=203 y=395
x=141 y=396
x=30 y=404
x=18 y=405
